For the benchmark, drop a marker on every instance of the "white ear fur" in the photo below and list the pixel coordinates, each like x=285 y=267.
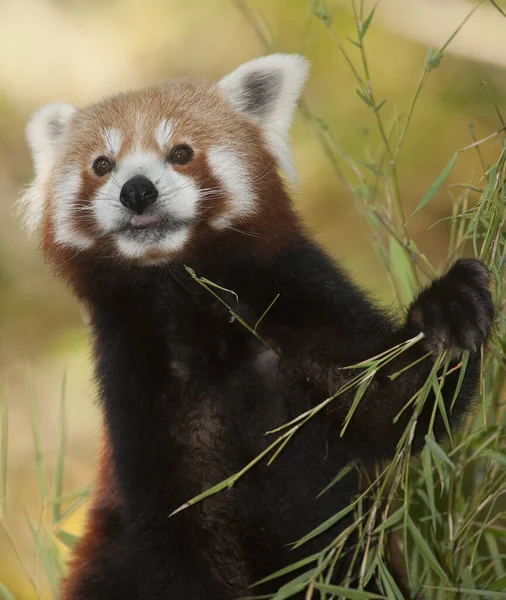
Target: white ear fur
x=267 y=90
x=44 y=132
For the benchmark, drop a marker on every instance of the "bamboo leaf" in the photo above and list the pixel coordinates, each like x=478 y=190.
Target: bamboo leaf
x=425 y=550
x=358 y=397
x=46 y=559
x=330 y=522
x=342 y=473
x=389 y=582
x=347 y=592
x=67 y=538
x=363 y=27
x=429 y=484
x=364 y=98
x=402 y=270
x=292 y=567
x=433 y=59
x=436 y=186
x=393 y=519
x=436 y=449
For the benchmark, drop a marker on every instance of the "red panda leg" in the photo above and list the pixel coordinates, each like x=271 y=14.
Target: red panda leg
x=97 y=569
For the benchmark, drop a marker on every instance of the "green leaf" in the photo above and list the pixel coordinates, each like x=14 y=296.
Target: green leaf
x=262 y=316
x=326 y=524
x=342 y=473
x=289 y=569
x=402 y=270
x=46 y=558
x=393 y=519
x=358 y=397
x=424 y=549
x=433 y=59
x=288 y=593
x=429 y=484
x=67 y=538
x=364 y=98
x=498 y=585
x=347 y=592
x=323 y=14
x=357 y=44
x=303 y=578
x=219 y=287
x=435 y=187
x=363 y=27
x=494 y=552
x=462 y=373
x=362 y=190
x=323 y=125
x=379 y=106
x=67 y=497
x=5 y=594
x=389 y=583
x=497 y=456
x=436 y=449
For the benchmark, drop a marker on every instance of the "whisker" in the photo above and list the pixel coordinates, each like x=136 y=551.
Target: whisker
x=245 y=232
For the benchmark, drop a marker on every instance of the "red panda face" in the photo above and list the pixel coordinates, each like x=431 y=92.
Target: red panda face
x=146 y=175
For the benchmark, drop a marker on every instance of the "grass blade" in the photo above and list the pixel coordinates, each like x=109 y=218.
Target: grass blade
x=436 y=186
x=62 y=438
x=3 y=451
x=41 y=476
x=47 y=561
x=425 y=550
x=5 y=594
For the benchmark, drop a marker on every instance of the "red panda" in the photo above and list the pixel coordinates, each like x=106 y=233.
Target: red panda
x=190 y=172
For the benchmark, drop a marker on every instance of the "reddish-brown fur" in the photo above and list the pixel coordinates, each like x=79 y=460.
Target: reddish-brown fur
x=104 y=520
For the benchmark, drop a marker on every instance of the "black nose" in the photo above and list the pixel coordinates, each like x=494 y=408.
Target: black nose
x=137 y=194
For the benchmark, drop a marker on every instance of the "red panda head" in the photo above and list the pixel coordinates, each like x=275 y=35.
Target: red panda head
x=145 y=176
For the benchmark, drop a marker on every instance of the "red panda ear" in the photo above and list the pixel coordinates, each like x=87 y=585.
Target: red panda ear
x=44 y=133
x=267 y=90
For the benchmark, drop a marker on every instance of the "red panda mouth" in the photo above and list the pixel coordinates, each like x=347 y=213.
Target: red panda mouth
x=145 y=221
x=151 y=225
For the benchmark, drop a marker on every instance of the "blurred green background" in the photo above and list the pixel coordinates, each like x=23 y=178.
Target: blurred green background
x=80 y=50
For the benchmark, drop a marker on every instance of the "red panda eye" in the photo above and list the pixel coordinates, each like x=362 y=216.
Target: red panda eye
x=102 y=166
x=180 y=155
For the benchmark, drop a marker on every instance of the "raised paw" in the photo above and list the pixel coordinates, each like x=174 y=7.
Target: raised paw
x=456 y=311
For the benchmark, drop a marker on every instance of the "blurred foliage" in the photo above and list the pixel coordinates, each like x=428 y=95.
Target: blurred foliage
x=78 y=50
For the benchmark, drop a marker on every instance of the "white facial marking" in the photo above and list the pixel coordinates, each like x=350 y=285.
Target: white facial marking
x=163 y=133
x=178 y=197
x=178 y=194
x=113 y=139
x=228 y=168
x=31 y=205
x=65 y=195
x=171 y=243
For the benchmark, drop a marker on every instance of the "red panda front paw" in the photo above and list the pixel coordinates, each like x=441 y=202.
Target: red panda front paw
x=456 y=312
